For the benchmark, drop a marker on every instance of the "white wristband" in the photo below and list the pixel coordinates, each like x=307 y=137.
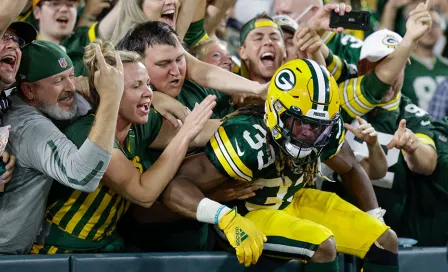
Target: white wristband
x=210 y=211
x=378 y=213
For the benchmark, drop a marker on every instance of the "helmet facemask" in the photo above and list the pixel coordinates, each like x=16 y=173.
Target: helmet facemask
x=302 y=138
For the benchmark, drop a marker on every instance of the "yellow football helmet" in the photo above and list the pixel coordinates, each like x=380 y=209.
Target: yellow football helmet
x=302 y=107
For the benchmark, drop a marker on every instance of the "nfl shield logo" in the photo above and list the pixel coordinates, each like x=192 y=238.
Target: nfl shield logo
x=442 y=138
x=62 y=62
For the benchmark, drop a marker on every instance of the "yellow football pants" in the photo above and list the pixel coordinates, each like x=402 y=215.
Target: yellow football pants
x=313 y=217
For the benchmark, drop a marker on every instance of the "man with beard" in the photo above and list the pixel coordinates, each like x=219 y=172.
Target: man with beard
x=427 y=70
x=57 y=19
x=46 y=94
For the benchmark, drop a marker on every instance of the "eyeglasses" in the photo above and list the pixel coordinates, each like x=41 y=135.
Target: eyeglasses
x=57 y=4
x=19 y=41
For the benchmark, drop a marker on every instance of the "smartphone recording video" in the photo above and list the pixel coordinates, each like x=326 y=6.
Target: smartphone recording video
x=356 y=19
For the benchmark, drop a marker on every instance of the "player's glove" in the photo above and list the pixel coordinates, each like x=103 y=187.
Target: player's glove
x=244 y=236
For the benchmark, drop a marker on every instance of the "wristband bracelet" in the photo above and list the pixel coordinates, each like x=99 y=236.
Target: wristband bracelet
x=217 y=214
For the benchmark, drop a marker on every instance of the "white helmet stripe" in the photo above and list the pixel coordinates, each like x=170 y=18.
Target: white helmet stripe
x=321 y=81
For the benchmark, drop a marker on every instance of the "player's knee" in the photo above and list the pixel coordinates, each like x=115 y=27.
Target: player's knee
x=326 y=252
x=389 y=241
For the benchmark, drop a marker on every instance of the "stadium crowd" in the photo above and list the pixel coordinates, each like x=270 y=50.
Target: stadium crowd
x=251 y=126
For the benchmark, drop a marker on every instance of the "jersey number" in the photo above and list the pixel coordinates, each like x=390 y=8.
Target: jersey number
x=257 y=144
x=425 y=88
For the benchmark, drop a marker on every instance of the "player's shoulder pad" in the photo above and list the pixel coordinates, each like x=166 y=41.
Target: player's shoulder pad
x=237 y=144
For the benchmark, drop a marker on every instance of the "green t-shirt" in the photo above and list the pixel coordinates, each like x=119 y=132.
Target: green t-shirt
x=195 y=33
x=427 y=208
x=87 y=221
x=75 y=44
x=238 y=149
x=193 y=94
x=392 y=190
x=421 y=80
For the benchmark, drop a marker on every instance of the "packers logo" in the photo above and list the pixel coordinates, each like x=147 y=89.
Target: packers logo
x=390 y=41
x=285 y=80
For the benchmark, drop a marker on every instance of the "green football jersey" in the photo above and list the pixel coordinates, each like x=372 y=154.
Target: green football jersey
x=193 y=94
x=74 y=46
x=421 y=79
x=345 y=46
x=195 y=34
x=391 y=191
x=427 y=208
x=239 y=150
x=87 y=220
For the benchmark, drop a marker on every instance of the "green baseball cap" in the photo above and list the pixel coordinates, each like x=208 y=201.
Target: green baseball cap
x=261 y=20
x=42 y=59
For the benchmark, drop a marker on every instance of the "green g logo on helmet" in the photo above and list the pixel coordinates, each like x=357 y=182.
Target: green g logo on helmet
x=285 y=80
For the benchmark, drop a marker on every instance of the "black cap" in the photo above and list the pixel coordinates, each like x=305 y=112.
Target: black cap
x=24 y=30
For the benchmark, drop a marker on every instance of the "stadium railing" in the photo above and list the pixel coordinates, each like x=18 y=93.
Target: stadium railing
x=411 y=260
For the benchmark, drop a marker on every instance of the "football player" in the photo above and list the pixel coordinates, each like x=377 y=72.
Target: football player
x=278 y=144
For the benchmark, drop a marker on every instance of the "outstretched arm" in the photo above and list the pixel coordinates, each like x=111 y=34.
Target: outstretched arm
x=215 y=13
x=420 y=155
x=376 y=163
x=214 y=77
x=354 y=177
x=183 y=195
x=9 y=10
x=188 y=12
x=144 y=189
x=418 y=24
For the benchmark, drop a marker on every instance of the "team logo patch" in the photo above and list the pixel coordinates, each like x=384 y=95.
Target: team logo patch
x=442 y=138
x=285 y=80
x=390 y=41
x=62 y=62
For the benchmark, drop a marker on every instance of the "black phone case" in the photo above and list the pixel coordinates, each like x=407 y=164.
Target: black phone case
x=357 y=20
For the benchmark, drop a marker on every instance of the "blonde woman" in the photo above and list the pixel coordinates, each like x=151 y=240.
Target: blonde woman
x=86 y=222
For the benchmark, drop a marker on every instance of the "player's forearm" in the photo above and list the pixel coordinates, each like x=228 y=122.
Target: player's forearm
x=214 y=77
x=103 y=128
x=358 y=184
x=183 y=196
x=389 y=68
x=388 y=16
x=423 y=160
x=9 y=10
x=185 y=17
x=377 y=162
x=207 y=132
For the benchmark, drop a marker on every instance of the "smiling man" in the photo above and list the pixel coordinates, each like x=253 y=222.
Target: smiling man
x=262 y=49
x=46 y=94
x=57 y=19
x=16 y=36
